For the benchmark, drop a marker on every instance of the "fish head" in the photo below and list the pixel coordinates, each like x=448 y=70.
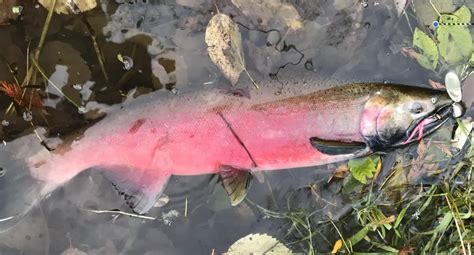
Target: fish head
x=399 y=115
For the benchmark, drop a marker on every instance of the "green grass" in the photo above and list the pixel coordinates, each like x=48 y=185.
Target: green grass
x=392 y=215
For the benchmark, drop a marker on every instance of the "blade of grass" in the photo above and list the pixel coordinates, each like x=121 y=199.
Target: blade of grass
x=50 y=82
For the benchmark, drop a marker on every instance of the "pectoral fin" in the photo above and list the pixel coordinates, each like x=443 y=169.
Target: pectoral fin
x=336 y=147
x=236 y=182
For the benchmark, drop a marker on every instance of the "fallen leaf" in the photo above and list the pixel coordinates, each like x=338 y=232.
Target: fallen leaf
x=70 y=6
x=258 y=244
x=406 y=250
x=428 y=52
x=420 y=165
x=225 y=46
x=455 y=42
x=73 y=251
x=337 y=246
x=363 y=168
x=427 y=14
x=341 y=171
x=444 y=148
x=274 y=14
x=435 y=84
x=409 y=52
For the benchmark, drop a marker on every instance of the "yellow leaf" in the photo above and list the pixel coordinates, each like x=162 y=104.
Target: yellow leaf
x=337 y=246
x=258 y=244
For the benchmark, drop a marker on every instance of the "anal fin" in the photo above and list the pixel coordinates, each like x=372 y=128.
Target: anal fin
x=236 y=182
x=140 y=188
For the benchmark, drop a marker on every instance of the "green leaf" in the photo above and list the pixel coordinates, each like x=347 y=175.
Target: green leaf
x=463 y=14
x=363 y=168
x=351 y=185
x=455 y=42
x=426 y=49
x=427 y=14
x=471 y=61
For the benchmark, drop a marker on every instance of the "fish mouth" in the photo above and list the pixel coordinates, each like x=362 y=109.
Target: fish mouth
x=426 y=126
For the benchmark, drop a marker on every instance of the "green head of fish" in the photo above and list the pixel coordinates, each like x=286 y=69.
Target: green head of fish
x=397 y=115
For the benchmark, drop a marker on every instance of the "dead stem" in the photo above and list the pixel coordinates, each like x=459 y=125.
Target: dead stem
x=456 y=222
x=40 y=70
x=31 y=73
x=121 y=213
x=98 y=51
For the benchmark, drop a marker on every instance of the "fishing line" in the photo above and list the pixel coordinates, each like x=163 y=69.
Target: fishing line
x=286 y=47
x=238 y=138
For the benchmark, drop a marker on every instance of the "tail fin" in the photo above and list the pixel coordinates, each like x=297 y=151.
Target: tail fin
x=19 y=191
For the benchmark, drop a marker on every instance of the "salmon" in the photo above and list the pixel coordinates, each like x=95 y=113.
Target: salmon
x=140 y=144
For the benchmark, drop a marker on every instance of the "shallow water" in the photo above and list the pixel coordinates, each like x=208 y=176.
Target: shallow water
x=339 y=38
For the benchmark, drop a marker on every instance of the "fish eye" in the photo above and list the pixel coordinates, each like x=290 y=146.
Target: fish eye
x=416 y=108
x=434 y=100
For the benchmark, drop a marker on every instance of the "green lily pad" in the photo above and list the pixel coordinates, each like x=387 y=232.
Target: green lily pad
x=455 y=42
x=426 y=49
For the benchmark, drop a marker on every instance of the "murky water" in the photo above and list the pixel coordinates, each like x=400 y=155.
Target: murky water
x=165 y=40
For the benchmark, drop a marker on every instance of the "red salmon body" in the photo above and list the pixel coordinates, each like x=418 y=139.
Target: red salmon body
x=139 y=145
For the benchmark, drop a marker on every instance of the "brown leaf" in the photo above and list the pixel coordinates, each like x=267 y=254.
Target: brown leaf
x=436 y=85
x=409 y=52
x=341 y=171
x=418 y=163
x=444 y=148
x=405 y=250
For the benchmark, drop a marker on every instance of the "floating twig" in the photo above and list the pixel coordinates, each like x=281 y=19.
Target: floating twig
x=121 y=213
